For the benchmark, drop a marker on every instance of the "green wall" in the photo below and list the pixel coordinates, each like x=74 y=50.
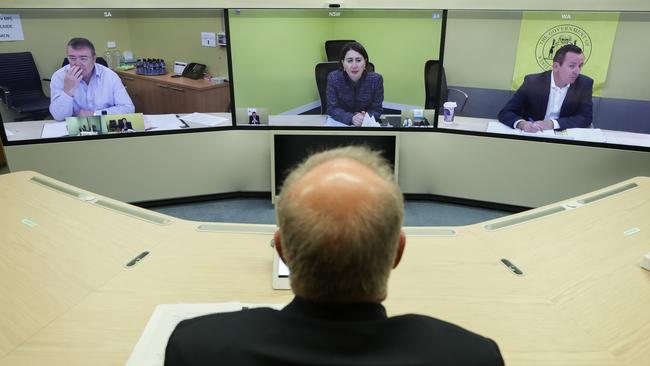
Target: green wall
x=48 y=31
x=273 y=56
x=274 y=52
x=481 y=45
x=169 y=34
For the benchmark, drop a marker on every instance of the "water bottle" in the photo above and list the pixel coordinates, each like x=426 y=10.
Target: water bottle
x=109 y=59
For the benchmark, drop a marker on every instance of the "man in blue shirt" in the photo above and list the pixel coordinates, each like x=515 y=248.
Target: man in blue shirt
x=84 y=88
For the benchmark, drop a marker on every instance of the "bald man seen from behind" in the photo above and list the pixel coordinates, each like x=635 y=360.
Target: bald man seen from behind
x=340 y=233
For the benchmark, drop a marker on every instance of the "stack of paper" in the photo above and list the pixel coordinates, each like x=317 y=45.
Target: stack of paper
x=498 y=127
x=206 y=119
x=161 y=122
x=56 y=129
x=9 y=133
x=586 y=134
x=150 y=349
x=331 y=122
x=369 y=121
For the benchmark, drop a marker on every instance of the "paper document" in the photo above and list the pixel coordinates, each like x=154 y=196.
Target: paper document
x=161 y=122
x=150 y=349
x=56 y=129
x=206 y=119
x=9 y=133
x=586 y=134
x=498 y=127
x=331 y=122
x=369 y=121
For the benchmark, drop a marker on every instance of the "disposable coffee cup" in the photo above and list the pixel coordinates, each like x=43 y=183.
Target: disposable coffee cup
x=448 y=111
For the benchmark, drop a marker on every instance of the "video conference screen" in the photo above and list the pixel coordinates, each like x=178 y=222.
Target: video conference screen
x=152 y=70
x=550 y=76
x=507 y=63
x=289 y=68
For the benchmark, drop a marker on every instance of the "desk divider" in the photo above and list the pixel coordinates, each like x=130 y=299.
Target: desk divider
x=429 y=231
x=230 y=228
x=133 y=212
x=607 y=193
x=58 y=187
x=524 y=218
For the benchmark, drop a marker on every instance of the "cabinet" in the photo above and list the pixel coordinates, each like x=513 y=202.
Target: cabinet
x=163 y=94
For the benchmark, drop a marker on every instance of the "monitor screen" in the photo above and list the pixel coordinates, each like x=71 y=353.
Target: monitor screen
x=503 y=61
x=288 y=150
x=152 y=70
x=289 y=68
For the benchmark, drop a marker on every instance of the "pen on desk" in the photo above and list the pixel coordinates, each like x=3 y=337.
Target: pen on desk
x=137 y=259
x=185 y=123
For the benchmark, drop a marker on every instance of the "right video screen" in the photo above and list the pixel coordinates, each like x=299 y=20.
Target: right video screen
x=556 y=75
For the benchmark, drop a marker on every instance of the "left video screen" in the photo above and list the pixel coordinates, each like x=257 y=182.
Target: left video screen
x=342 y=68
x=68 y=73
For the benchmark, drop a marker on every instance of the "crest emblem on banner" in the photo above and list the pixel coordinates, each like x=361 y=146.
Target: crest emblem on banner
x=560 y=35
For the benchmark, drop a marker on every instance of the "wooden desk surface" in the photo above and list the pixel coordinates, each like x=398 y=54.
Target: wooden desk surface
x=199 y=84
x=67 y=299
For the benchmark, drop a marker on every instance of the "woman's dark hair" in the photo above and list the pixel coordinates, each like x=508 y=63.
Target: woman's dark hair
x=354 y=46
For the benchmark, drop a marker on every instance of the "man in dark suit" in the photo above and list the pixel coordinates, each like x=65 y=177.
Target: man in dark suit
x=339 y=215
x=556 y=99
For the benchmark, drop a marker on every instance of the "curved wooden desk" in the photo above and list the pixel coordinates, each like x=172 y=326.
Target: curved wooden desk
x=66 y=297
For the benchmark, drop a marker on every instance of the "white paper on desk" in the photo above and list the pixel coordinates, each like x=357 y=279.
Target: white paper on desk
x=56 y=129
x=331 y=122
x=161 y=122
x=9 y=133
x=206 y=119
x=498 y=127
x=586 y=134
x=369 y=121
x=150 y=349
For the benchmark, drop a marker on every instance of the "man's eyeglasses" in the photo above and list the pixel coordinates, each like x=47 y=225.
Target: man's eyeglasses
x=83 y=59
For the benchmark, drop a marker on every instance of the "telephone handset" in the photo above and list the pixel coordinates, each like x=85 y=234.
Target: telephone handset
x=194 y=70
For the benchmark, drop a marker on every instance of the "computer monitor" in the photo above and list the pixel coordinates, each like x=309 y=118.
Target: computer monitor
x=275 y=54
x=488 y=54
x=289 y=149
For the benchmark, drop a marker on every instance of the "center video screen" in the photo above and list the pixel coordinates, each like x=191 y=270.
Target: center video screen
x=112 y=72
x=334 y=68
x=549 y=75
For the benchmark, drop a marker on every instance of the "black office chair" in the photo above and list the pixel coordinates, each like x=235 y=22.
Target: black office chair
x=20 y=86
x=333 y=48
x=433 y=100
x=322 y=70
x=100 y=60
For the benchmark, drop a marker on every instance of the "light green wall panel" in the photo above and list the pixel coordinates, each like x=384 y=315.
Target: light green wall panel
x=176 y=36
x=172 y=35
x=398 y=44
x=480 y=48
x=481 y=45
x=629 y=71
x=48 y=31
x=274 y=54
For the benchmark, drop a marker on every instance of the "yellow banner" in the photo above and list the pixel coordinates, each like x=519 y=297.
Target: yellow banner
x=543 y=33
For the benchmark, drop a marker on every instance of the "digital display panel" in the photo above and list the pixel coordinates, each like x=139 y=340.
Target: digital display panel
x=504 y=62
x=289 y=68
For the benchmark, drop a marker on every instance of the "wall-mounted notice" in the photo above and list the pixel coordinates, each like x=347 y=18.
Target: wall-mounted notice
x=10 y=28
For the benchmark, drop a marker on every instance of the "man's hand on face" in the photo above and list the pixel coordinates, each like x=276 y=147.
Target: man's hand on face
x=71 y=80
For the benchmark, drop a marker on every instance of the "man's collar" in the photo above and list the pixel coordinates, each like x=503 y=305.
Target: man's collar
x=336 y=311
x=555 y=86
